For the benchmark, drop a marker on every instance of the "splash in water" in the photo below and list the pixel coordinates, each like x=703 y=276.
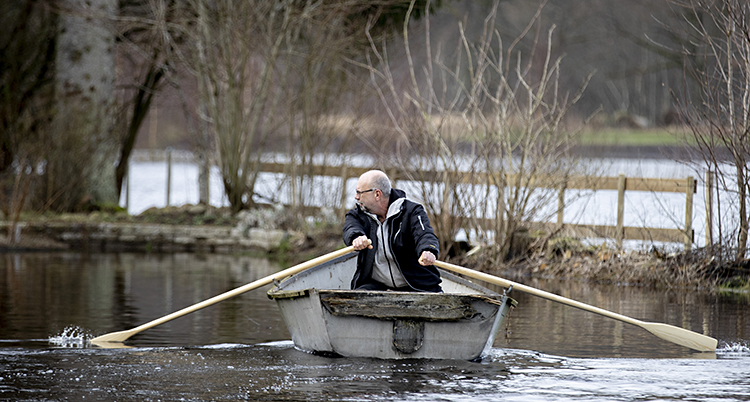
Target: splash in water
x=71 y=337
x=734 y=349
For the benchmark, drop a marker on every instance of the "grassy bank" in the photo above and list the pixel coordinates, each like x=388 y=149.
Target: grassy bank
x=613 y=136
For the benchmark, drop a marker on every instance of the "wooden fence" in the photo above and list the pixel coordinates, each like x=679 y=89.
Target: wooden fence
x=621 y=183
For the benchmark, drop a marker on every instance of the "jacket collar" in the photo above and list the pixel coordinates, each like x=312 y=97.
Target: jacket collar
x=396 y=194
x=394 y=208
x=395 y=202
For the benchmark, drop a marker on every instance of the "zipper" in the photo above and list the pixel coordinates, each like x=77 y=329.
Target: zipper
x=393 y=253
x=393 y=256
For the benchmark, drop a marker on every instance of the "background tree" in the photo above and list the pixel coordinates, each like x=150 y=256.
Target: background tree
x=236 y=48
x=718 y=116
x=84 y=107
x=269 y=73
x=27 y=49
x=510 y=106
x=144 y=57
x=323 y=99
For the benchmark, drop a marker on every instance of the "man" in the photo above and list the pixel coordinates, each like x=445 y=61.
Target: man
x=396 y=242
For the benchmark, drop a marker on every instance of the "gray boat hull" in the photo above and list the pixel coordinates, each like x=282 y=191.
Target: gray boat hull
x=324 y=316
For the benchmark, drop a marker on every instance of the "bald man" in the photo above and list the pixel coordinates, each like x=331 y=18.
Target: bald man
x=396 y=242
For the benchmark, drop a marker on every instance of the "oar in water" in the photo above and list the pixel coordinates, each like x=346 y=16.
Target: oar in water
x=680 y=336
x=121 y=336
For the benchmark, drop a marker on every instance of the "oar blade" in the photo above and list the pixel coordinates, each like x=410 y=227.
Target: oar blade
x=120 y=336
x=681 y=336
x=109 y=345
x=684 y=337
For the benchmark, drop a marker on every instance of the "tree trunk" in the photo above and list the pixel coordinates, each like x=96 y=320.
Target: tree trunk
x=742 y=199
x=85 y=75
x=141 y=106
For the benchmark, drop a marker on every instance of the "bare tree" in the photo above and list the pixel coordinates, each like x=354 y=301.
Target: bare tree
x=145 y=37
x=64 y=52
x=272 y=70
x=489 y=113
x=235 y=49
x=321 y=96
x=26 y=102
x=719 y=119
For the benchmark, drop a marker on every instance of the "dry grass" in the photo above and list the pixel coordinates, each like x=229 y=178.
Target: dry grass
x=629 y=269
x=696 y=269
x=567 y=258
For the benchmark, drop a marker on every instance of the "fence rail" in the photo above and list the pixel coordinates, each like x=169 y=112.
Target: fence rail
x=621 y=184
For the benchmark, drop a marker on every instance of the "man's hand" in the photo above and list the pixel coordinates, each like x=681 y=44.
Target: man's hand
x=427 y=258
x=361 y=243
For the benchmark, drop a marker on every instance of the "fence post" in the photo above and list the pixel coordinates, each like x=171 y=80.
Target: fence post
x=621 y=182
x=445 y=210
x=204 y=179
x=561 y=204
x=709 y=208
x=127 y=188
x=690 y=189
x=393 y=175
x=503 y=181
x=344 y=179
x=169 y=173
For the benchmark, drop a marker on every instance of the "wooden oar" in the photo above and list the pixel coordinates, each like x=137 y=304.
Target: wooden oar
x=123 y=335
x=680 y=336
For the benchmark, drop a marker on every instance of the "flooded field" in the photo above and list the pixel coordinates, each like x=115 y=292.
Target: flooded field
x=239 y=349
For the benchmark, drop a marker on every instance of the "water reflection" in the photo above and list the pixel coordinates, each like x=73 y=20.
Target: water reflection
x=239 y=348
x=551 y=327
x=43 y=293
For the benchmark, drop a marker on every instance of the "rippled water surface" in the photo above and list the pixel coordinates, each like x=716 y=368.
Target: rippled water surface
x=239 y=349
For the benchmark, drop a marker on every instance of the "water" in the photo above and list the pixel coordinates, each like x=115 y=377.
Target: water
x=239 y=349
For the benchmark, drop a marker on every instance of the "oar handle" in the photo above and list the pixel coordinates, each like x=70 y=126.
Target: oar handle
x=534 y=291
x=246 y=288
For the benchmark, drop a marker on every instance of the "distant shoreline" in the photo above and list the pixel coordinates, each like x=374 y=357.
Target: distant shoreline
x=653 y=152
x=668 y=152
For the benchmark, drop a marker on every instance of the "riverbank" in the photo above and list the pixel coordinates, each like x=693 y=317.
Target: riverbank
x=189 y=228
x=291 y=240
x=695 y=269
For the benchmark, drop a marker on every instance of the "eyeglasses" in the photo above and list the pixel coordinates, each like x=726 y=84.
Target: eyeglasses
x=364 y=191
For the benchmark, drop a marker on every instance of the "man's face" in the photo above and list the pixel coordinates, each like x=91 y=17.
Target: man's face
x=365 y=195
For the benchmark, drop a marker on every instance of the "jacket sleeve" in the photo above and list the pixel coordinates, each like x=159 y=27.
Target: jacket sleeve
x=353 y=227
x=422 y=232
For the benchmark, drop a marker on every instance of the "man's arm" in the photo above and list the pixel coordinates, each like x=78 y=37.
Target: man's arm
x=353 y=228
x=425 y=239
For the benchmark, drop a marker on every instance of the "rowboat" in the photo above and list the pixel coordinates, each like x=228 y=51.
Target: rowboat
x=325 y=317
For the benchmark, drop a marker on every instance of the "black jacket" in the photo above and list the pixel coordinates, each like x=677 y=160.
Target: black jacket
x=410 y=235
